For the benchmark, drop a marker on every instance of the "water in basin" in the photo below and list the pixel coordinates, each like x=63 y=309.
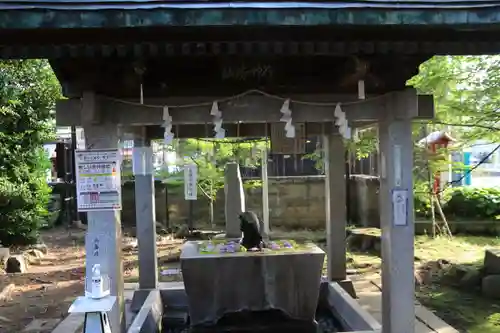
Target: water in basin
x=271 y=321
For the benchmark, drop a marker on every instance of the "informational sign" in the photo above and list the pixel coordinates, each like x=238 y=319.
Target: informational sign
x=98 y=181
x=190 y=182
x=400 y=207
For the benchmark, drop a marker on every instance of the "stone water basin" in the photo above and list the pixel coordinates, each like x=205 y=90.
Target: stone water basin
x=243 y=292
x=336 y=312
x=222 y=283
x=270 y=321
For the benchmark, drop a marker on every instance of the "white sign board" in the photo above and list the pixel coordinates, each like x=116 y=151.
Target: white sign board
x=98 y=179
x=400 y=207
x=190 y=182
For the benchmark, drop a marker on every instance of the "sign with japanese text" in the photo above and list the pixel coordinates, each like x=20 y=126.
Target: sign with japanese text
x=98 y=179
x=190 y=182
x=400 y=207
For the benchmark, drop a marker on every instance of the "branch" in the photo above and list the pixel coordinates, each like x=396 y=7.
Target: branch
x=493 y=128
x=199 y=186
x=205 y=193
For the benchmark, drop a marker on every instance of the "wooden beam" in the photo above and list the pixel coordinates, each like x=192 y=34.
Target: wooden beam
x=425 y=107
x=90 y=109
x=246 y=109
x=233 y=130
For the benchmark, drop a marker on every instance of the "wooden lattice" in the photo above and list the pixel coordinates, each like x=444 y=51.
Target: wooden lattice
x=280 y=144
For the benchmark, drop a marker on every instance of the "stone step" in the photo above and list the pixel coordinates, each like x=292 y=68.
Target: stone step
x=175 y=318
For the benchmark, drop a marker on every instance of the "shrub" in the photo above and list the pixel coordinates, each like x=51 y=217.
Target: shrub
x=422 y=206
x=28 y=90
x=472 y=203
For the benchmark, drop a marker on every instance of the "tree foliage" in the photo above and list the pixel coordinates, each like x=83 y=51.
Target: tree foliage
x=467 y=103
x=28 y=90
x=466 y=95
x=466 y=100
x=211 y=156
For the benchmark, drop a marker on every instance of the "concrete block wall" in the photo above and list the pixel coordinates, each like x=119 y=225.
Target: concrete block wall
x=295 y=202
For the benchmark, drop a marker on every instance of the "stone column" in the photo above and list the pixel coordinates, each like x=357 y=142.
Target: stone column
x=235 y=199
x=265 y=196
x=336 y=211
x=104 y=229
x=396 y=218
x=145 y=213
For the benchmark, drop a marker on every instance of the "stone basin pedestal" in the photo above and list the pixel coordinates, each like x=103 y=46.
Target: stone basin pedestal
x=219 y=284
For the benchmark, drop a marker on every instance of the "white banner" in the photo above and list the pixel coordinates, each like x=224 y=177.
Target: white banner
x=190 y=182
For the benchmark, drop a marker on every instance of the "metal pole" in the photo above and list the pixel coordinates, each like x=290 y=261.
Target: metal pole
x=191 y=213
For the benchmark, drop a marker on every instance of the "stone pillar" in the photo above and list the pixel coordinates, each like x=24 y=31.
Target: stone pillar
x=336 y=211
x=396 y=218
x=235 y=199
x=265 y=196
x=104 y=229
x=145 y=213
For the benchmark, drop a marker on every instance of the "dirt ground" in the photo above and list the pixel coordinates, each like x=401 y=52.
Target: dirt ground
x=52 y=283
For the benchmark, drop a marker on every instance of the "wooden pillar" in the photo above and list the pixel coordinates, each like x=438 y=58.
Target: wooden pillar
x=336 y=213
x=396 y=218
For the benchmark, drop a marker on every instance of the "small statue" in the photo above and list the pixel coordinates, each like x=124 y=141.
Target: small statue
x=250 y=226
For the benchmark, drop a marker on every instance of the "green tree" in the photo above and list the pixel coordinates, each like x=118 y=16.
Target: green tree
x=28 y=91
x=211 y=156
x=466 y=100
x=466 y=95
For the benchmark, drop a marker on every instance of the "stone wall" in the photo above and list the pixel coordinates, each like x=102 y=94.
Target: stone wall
x=294 y=202
x=363 y=200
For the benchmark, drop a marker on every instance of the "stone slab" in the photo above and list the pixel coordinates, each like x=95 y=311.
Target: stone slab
x=41 y=325
x=490 y=286
x=370 y=298
x=138 y=299
x=431 y=320
x=148 y=319
x=492 y=261
x=348 y=286
x=175 y=318
x=217 y=284
x=175 y=298
x=352 y=316
x=73 y=323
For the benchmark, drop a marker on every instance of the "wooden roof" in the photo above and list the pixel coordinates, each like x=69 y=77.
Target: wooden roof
x=27 y=14
x=180 y=4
